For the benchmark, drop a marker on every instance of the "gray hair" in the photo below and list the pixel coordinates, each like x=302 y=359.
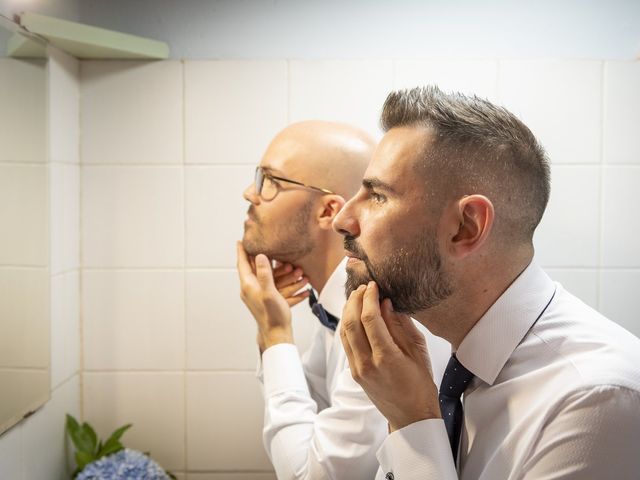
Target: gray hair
x=476 y=147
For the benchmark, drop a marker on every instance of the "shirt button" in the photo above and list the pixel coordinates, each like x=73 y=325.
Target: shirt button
x=389 y=476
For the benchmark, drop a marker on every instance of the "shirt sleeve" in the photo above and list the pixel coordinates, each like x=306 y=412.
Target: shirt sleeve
x=418 y=451
x=336 y=443
x=593 y=434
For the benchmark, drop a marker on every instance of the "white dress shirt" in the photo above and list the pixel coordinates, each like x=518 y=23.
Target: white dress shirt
x=318 y=422
x=556 y=396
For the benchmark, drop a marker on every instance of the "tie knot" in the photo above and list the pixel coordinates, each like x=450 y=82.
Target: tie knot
x=326 y=319
x=456 y=379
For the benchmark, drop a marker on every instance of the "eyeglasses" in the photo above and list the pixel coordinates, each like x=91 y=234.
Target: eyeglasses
x=267 y=186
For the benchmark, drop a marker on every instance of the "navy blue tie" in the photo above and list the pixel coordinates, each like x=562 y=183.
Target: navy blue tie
x=318 y=310
x=456 y=379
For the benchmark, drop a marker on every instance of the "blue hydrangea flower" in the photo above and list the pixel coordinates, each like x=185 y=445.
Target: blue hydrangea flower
x=125 y=464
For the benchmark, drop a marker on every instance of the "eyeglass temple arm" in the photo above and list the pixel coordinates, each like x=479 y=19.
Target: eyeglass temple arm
x=324 y=190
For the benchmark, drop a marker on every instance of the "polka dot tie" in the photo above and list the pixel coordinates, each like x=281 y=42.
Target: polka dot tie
x=456 y=379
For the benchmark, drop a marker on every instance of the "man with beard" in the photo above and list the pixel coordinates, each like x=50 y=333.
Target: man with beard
x=319 y=423
x=442 y=229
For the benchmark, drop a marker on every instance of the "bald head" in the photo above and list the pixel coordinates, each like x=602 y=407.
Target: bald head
x=324 y=154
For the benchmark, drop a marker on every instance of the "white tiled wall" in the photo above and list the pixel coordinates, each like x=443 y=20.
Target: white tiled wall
x=167 y=149
x=35 y=448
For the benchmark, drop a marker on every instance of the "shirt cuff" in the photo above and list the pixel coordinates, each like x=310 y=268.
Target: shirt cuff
x=420 y=450
x=282 y=369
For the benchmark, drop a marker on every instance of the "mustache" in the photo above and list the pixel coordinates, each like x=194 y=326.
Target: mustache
x=351 y=245
x=251 y=213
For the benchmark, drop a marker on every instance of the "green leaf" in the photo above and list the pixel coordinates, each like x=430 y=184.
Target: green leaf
x=80 y=438
x=109 y=448
x=83 y=459
x=118 y=433
x=90 y=433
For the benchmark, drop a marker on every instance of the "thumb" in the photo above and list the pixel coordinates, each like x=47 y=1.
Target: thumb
x=264 y=272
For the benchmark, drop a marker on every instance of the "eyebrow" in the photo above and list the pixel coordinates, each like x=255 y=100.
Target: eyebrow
x=375 y=183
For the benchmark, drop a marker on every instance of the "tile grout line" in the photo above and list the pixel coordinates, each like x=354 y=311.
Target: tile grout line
x=184 y=263
x=80 y=242
x=603 y=79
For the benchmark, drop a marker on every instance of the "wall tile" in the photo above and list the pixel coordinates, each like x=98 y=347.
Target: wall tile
x=65 y=327
x=44 y=437
x=11 y=454
x=560 y=101
x=231 y=439
x=581 y=283
x=152 y=402
x=221 y=333
x=621 y=142
x=478 y=77
x=620 y=224
x=215 y=213
x=619 y=298
x=233 y=109
x=132 y=216
x=23 y=99
x=64 y=106
x=24 y=215
x=132 y=112
x=65 y=217
x=351 y=91
x=233 y=476
x=568 y=235
x=133 y=320
x=24 y=313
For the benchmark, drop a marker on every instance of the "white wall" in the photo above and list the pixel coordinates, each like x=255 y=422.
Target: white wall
x=35 y=448
x=273 y=29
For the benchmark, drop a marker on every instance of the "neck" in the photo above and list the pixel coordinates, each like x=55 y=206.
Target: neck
x=456 y=316
x=318 y=267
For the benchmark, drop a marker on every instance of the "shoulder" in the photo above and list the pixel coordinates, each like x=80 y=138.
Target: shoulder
x=580 y=348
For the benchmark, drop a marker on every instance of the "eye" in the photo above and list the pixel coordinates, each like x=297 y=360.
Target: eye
x=377 y=197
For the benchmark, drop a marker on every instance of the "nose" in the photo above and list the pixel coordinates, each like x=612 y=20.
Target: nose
x=346 y=223
x=250 y=194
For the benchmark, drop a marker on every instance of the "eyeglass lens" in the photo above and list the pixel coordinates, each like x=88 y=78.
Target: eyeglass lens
x=259 y=180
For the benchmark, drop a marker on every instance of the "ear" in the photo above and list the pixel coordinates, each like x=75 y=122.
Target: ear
x=329 y=207
x=470 y=223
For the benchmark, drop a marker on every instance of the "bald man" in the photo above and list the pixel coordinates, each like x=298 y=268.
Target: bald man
x=319 y=423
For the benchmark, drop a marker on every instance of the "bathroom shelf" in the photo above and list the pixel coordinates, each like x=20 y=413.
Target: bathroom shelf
x=87 y=42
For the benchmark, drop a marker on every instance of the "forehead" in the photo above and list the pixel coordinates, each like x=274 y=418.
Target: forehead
x=398 y=154
x=284 y=156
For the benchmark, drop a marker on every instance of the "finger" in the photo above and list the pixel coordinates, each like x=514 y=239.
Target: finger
x=400 y=326
x=296 y=299
x=289 y=279
x=347 y=349
x=353 y=329
x=264 y=272
x=282 y=270
x=242 y=264
x=374 y=325
x=290 y=290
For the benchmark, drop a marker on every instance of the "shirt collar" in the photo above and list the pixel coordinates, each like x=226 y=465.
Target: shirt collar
x=332 y=296
x=489 y=344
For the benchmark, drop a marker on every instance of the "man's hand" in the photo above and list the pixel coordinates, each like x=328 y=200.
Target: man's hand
x=267 y=305
x=388 y=357
x=289 y=280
